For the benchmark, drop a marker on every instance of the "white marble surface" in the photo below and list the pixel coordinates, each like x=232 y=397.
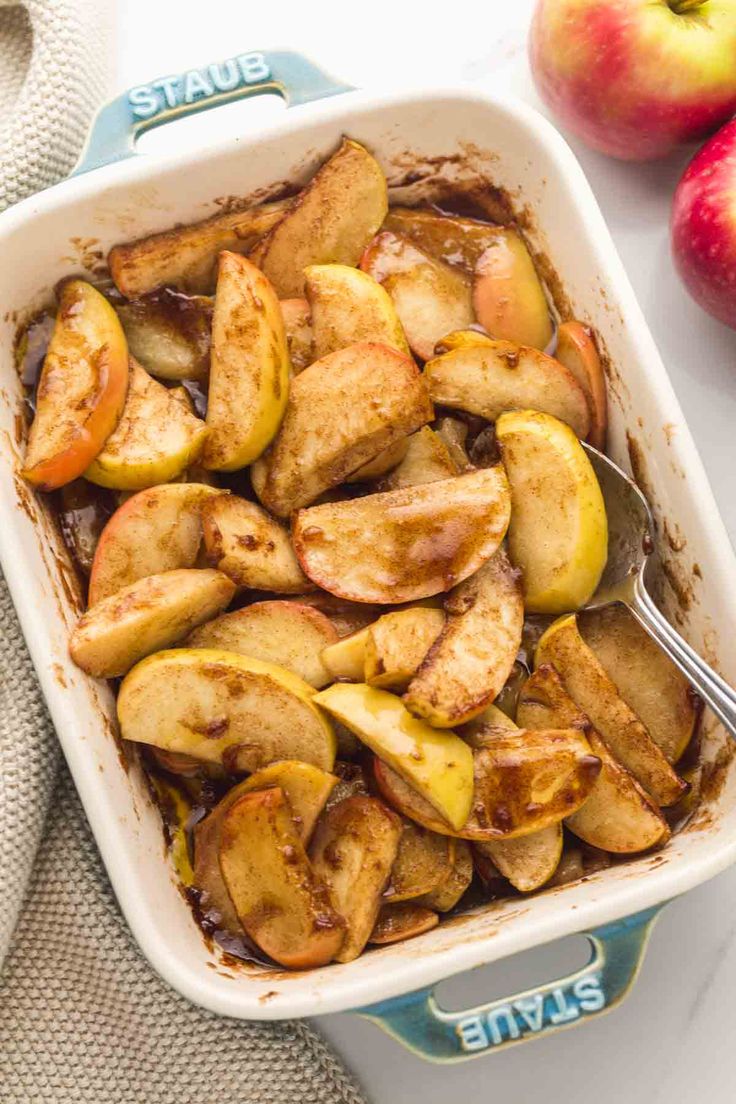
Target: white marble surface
x=670 y=1041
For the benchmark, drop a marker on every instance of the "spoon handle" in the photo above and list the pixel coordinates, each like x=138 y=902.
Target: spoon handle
x=716 y=693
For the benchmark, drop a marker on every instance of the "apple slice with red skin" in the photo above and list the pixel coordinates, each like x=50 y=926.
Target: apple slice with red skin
x=81 y=391
x=352 y=851
x=490 y=378
x=289 y=634
x=280 y=902
x=404 y=545
x=576 y=350
x=508 y=296
x=156 y=530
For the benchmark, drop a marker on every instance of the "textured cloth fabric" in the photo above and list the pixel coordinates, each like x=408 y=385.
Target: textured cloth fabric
x=82 y=1015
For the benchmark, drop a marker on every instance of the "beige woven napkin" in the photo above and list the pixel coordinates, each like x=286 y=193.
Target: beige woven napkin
x=82 y=1016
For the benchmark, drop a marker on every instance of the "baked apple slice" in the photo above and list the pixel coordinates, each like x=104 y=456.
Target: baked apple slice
x=395 y=923
x=644 y=676
x=306 y=789
x=587 y=683
x=145 y=616
x=250 y=368
x=426 y=460
x=453 y=239
x=348 y=305
x=397 y=643
x=345 y=659
x=454 y=434
x=298 y=327
x=424 y=862
x=508 y=296
x=224 y=708
x=471 y=658
x=489 y=379
x=156 y=530
x=576 y=349
x=445 y=896
x=169 y=333
x=404 y=545
x=81 y=391
x=330 y=222
x=352 y=853
x=343 y=411
x=438 y=764
x=619 y=816
x=289 y=634
x=430 y=297
x=383 y=463
x=245 y=542
x=282 y=906
x=155 y=440
x=558 y=534
x=528 y=862
x=462 y=339
x=186 y=257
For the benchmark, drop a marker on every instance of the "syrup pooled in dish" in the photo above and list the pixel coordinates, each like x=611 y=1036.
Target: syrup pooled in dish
x=327 y=485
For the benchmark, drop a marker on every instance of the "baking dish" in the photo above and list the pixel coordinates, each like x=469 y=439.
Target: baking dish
x=423 y=140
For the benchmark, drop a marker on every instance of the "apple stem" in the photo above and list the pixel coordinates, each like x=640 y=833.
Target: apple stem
x=681 y=7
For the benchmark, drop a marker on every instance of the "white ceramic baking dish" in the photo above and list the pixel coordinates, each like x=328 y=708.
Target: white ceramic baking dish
x=436 y=135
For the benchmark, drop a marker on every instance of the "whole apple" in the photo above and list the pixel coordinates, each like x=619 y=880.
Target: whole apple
x=634 y=78
x=704 y=226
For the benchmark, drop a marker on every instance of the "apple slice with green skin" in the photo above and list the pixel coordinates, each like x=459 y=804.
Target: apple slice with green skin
x=186 y=257
x=453 y=239
x=404 y=545
x=250 y=367
x=330 y=222
x=492 y=378
x=298 y=327
x=426 y=460
x=508 y=296
x=445 y=896
x=245 y=542
x=278 y=900
x=81 y=391
x=438 y=764
x=430 y=298
x=397 y=922
x=558 y=534
x=348 y=305
x=224 y=708
x=397 y=643
x=576 y=349
x=335 y=422
x=644 y=676
x=156 y=530
x=145 y=616
x=345 y=659
x=424 y=861
x=306 y=789
x=471 y=658
x=619 y=816
x=285 y=633
x=588 y=684
x=154 y=441
x=528 y=862
x=169 y=333
x=352 y=852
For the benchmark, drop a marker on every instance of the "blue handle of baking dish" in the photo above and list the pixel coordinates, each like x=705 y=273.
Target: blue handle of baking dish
x=118 y=125
x=417 y=1021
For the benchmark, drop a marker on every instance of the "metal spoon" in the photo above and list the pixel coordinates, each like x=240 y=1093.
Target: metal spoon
x=630 y=545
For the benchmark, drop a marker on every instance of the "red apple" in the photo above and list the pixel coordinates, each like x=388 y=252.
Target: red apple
x=633 y=78
x=704 y=226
